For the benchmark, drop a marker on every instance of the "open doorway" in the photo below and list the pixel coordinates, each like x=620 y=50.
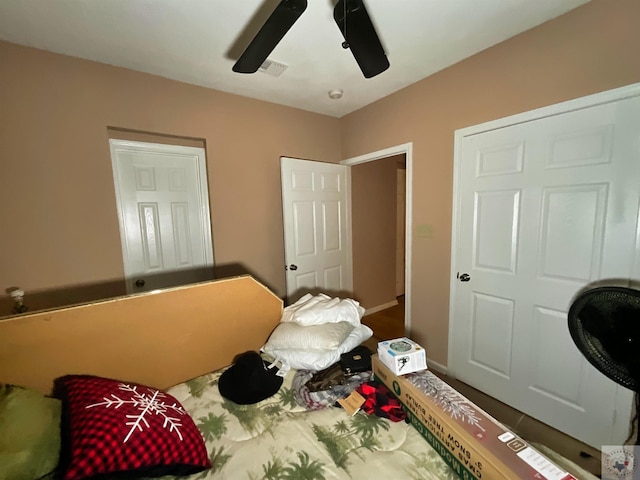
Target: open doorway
x=381 y=226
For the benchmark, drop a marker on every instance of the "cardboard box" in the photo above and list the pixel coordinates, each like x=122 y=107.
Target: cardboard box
x=402 y=355
x=472 y=443
x=36 y=348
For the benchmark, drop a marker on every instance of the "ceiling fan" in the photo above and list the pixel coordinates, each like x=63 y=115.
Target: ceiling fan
x=350 y=16
x=604 y=323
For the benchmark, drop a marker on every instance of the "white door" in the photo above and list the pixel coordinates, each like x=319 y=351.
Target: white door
x=163 y=209
x=315 y=200
x=544 y=208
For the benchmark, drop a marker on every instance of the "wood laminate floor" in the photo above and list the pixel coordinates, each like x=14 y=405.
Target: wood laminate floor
x=388 y=323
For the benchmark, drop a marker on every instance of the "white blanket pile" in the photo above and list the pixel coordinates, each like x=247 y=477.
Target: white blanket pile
x=315 y=331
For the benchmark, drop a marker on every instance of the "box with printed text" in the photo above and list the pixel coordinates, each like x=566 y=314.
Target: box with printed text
x=402 y=355
x=472 y=443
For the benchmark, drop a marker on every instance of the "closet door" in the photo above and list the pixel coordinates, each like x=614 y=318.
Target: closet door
x=545 y=208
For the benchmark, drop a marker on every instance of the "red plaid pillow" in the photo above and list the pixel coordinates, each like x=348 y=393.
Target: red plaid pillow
x=115 y=427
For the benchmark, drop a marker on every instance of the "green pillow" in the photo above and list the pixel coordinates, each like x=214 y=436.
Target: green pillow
x=29 y=433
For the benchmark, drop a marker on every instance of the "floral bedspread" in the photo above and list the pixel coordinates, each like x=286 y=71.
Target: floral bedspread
x=278 y=439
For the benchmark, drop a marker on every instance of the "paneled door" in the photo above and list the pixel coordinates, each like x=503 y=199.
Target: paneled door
x=163 y=209
x=545 y=208
x=315 y=211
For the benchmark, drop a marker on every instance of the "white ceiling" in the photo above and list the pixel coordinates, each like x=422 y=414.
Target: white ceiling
x=198 y=41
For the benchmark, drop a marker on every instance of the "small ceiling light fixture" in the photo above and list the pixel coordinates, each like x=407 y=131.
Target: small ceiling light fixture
x=335 y=94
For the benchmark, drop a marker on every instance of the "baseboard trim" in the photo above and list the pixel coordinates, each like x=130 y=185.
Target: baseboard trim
x=438 y=367
x=378 y=308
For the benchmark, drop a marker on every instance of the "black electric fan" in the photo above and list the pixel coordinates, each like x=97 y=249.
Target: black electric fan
x=604 y=323
x=350 y=16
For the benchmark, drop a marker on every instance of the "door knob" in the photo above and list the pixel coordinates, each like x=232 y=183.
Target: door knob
x=293 y=267
x=140 y=283
x=464 y=277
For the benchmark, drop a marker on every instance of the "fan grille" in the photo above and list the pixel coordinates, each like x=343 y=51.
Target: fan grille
x=604 y=323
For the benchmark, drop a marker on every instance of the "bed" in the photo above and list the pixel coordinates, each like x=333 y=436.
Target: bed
x=172 y=347
x=277 y=438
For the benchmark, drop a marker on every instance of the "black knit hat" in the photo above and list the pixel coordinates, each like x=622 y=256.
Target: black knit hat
x=249 y=380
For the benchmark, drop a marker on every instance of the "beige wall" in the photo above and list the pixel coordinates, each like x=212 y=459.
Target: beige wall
x=373 y=202
x=58 y=214
x=58 y=218
x=591 y=49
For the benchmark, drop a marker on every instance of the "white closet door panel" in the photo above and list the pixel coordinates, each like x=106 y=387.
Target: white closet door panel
x=546 y=208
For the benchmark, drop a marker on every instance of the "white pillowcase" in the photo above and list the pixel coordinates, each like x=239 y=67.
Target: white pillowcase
x=302 y=359
x=290 y=335
x=319 y=309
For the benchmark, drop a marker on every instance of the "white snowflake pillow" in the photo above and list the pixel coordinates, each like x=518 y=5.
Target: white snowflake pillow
x=110 y=426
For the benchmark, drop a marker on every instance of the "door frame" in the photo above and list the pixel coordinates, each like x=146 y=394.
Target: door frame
x=407 y=150
x=629 y=91
x=203 y=187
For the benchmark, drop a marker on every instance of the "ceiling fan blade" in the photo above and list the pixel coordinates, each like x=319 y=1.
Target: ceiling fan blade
x=360 y=36
x=273 y=30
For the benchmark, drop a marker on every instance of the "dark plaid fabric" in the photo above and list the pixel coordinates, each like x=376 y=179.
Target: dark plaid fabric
x=116 y=427
x=324 y=398
x=378 y=400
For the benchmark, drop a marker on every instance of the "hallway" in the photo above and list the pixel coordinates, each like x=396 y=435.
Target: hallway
x=388 y=323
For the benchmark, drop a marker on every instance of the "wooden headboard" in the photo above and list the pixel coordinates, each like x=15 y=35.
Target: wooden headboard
x=158 y=339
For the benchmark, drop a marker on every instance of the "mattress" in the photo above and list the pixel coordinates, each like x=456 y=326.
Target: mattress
x=279 y=439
